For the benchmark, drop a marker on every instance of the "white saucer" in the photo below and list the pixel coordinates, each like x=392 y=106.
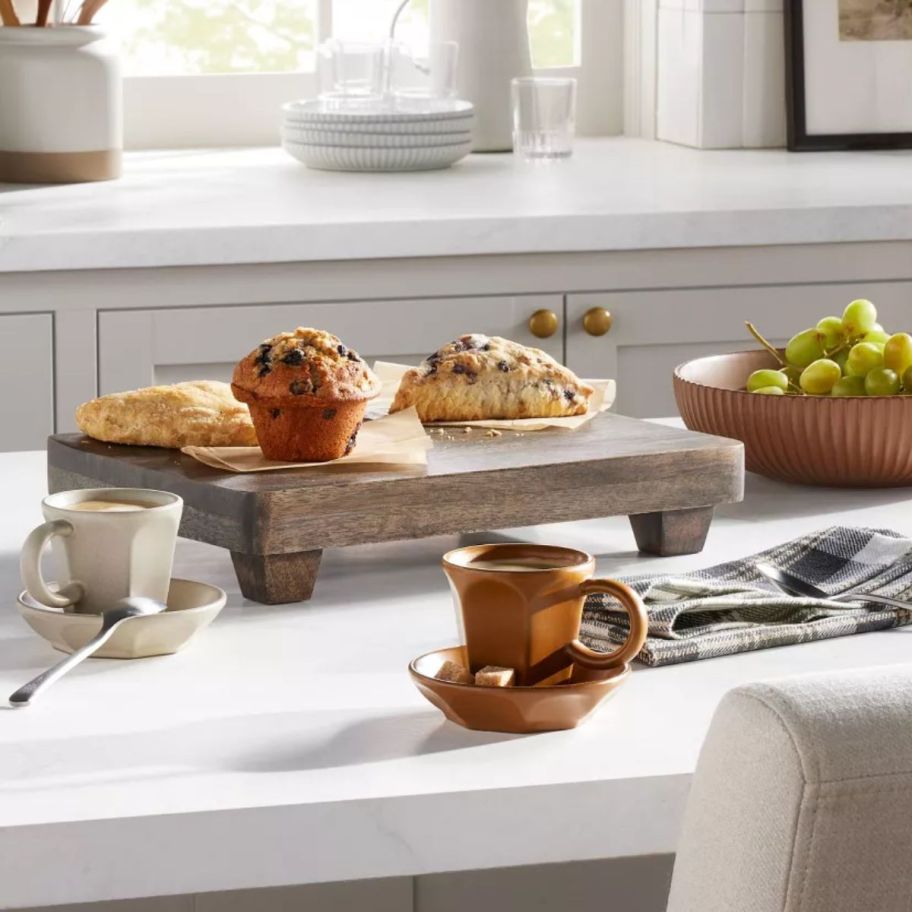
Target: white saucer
x=318 y=136
x=191 y=607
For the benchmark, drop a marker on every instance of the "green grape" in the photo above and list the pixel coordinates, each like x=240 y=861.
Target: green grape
x=898 y=353
x=863 y=358
x=820 y=377
x=849 y=386
x=830 y=329
x=876 y=335
x=841 y=358
x=858 y=318
x=763 y=378
x=769 y=391
x=907 y=380
x=804 y=348
x=882 y=382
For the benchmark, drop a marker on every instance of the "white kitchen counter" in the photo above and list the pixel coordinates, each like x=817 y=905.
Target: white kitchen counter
x=288 y=745
x=260 y=206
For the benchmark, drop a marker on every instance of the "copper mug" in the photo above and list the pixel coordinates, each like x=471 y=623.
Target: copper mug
x=520 y=606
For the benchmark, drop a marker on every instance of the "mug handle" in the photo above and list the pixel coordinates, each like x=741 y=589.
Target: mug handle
x=639 y=627
x=30 y=566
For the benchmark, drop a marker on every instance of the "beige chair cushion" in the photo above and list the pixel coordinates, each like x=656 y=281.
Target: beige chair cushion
x=802 y=799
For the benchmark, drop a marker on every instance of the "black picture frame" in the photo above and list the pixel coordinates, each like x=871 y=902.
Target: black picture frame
x=799 y=140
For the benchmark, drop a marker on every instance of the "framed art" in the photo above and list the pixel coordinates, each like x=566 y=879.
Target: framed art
x=849 y=74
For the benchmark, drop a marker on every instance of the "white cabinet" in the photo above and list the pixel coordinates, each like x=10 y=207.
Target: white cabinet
x=654 y=331
x=141 y=347
x=27 y=377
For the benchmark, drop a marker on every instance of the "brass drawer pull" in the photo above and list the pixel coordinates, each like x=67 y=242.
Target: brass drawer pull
x=543 y=324
x=597 y=321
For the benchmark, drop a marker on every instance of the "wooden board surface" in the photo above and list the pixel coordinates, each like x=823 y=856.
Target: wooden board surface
x=613 y=465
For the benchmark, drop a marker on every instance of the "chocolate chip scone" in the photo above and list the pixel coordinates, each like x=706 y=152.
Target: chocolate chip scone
x=480 y=377
x=196 y=413
x=307 y=393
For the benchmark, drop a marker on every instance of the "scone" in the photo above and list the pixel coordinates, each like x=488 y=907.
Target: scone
x=479 y=377
x=196 y=413
x=307 y=394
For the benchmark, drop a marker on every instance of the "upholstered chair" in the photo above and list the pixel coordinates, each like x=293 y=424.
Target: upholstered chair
x=802 y=799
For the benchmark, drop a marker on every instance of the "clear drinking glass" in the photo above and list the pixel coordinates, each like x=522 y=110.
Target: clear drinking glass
x=351 y=73
x=544 y=114
x=417 y=78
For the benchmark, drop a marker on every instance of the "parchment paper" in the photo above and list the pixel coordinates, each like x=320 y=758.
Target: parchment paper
x=601 y=400
x=393 y=440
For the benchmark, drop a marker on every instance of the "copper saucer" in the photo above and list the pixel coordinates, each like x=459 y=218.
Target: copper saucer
x=518 y=710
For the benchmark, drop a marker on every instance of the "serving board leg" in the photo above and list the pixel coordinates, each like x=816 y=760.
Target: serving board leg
x=274 y=579
x=672 y=532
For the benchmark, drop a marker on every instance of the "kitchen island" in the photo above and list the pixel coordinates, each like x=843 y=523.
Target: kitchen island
x=287 y=744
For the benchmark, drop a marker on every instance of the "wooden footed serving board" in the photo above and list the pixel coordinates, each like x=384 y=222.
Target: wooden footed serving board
x=276 y=524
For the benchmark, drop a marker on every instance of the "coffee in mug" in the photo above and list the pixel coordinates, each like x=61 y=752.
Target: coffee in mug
x=520 y=606
x=107 y=544
x=107 y=506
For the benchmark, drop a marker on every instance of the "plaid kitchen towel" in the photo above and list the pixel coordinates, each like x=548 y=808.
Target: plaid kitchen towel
x=732 y=608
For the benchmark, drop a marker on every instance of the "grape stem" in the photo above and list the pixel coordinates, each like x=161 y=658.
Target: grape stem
x=773 y=351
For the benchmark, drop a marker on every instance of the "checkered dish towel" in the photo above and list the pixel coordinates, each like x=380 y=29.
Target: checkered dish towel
x=732 y=608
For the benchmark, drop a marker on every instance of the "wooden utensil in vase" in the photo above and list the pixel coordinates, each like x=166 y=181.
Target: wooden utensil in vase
x=88 y=11
x=8 y=13
x=44 y=11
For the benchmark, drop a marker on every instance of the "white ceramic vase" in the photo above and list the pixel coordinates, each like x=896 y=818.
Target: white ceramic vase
x=60 y=105
x=493 y=38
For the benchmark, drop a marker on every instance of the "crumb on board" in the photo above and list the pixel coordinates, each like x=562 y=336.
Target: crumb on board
x=467 y=430
x=492 y=432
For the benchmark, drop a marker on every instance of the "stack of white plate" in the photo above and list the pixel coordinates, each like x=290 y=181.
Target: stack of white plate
x=372 y=140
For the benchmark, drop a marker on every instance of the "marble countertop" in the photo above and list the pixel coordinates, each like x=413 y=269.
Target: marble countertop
x=288 y=745
x=259 y=206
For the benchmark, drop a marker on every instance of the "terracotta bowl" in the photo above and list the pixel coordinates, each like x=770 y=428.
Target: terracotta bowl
x=519 y=710
x=863 y=441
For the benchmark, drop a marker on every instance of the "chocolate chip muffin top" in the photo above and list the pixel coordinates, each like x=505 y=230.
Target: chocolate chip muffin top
x=304 y=365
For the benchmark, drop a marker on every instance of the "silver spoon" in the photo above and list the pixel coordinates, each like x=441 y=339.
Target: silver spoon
x=134 y=606
x=792 y=585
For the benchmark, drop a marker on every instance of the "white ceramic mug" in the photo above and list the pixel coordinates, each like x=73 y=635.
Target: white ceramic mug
x=102 y=556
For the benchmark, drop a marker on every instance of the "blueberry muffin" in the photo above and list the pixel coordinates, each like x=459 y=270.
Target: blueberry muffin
x=480 y=377
x=307 y=393
x=196 y=413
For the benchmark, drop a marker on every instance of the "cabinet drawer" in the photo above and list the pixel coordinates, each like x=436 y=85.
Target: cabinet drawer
x=142 y=347
x=27 y=373
x=654 y=331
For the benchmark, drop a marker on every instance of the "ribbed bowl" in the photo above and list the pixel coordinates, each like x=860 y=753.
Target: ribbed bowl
x=321 y=137
x=449 y=116
x=863 y=441
x=353 y=158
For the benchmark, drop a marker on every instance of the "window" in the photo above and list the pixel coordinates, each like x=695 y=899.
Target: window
x=192 y=37
x=553 y=26
x=554 y=33
x=204 y=72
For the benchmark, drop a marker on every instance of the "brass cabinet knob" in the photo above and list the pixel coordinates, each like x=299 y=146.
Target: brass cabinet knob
x=543 y=324
x=597 y=321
